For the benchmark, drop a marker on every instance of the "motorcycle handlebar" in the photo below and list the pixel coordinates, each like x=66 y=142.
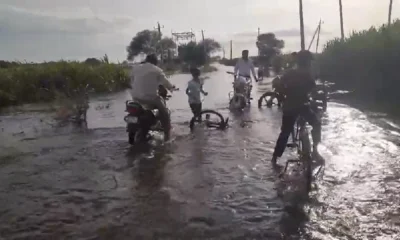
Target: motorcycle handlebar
x=240 y=75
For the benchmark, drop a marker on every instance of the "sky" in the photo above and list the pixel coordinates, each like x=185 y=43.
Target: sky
x=47 y=30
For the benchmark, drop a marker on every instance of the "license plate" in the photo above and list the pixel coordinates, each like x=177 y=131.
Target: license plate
x=131 y=119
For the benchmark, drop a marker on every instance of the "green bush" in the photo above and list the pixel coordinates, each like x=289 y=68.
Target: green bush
x=25 y=83
x=366 y=62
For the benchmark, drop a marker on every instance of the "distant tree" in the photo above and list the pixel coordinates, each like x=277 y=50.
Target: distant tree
x=6 y=64
x=196 y=54
x=148 y=41
x=92 y=61
x=192 y=54
x=210 y=45
x=269 y=46
x=105 y=59
x=166 y=46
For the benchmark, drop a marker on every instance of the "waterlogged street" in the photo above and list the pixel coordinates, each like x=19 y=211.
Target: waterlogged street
x=67 y=183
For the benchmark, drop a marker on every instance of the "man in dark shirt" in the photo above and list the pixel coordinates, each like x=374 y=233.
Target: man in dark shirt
x=297 y=85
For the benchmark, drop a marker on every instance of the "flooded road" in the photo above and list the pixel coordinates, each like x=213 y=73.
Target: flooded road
x=66 y=183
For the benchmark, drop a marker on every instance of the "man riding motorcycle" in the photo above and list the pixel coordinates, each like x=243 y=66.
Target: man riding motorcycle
x=145 y=83
x=297 y=85
x=243 y=67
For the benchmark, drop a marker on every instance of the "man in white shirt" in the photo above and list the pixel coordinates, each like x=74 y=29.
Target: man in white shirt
x=243 y=67
x=145 y=81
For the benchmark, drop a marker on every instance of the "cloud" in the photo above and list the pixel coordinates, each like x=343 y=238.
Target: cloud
x=23 y=21
x=37 y=36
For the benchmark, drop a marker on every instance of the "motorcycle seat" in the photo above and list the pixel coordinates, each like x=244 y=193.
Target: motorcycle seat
x=135 y=103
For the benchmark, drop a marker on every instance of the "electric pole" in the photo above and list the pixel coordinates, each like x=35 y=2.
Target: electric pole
x=231 y=49
x=390 y=12
x=257 y=41
x=341 y=20
x=158 y=28
x=301 y=25
x=319 y=32
x=204 y=44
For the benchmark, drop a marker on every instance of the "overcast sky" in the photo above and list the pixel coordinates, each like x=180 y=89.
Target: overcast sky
x=43 y=30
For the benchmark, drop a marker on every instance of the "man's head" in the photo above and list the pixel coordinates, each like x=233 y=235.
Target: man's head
x=152 y=58
x=245 y=54
x=304 y=58
x=195 y=72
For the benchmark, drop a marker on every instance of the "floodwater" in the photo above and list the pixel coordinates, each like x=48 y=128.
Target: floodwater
x=68 y=183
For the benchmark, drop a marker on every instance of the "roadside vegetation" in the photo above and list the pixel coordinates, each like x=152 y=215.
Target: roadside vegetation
x=22 y=82
x=366 y=63
x=41 y=82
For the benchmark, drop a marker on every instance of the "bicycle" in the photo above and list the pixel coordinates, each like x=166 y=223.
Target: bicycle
x=270 y=98
x=222 y=124
x=301 y=141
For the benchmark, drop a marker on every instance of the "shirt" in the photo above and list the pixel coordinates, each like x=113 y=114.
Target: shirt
x=297 y=84
x=193 y=91
x=245 y=67
x=145 y=81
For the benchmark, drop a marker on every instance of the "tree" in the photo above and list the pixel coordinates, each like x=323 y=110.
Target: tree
x=210 y=45
x=166 y=46
x=269 y=46
x=147 y=41
x=196 y=54
x=93 y=61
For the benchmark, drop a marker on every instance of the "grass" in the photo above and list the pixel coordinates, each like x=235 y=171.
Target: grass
x=366 y=62
x=26 y=83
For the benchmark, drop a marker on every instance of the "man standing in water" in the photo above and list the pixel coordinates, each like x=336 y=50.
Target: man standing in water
x=297 y=85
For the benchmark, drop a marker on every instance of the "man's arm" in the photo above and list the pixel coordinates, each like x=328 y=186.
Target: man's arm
x=202 y=90
x=187 y=89
x=253 y=71
x=236 y=69
x=131 y=76
x=164 y=81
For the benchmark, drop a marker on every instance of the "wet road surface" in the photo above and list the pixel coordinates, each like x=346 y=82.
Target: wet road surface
x=68 y=183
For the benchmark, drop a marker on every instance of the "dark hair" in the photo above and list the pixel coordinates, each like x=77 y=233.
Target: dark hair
x=152 y=58
x=304 y=58
x=245 y=51
x=195 y=71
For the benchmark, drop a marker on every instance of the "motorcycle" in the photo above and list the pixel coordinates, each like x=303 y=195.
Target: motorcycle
x=240 y=98
x=142 y=119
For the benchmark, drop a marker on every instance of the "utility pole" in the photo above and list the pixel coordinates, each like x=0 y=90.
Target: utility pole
x=319 y=31
x=223 y=52
x=257 y=41
x=204 y=43
x=315 y=33
x=390 y=12
x=301 y=25
x=341 y=19
x=231 y=49
x=159 y=39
